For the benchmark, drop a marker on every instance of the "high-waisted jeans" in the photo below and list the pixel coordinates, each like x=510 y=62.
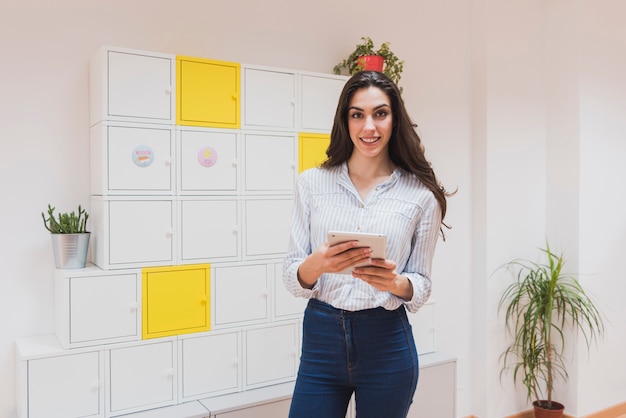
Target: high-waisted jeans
x=370 y=353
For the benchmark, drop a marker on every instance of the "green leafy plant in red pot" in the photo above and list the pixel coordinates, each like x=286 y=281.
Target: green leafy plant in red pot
x=366 y=57
x=543 y=308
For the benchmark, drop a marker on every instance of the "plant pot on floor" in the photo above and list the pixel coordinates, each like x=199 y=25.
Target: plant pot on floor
x=70 y=250
x=542 y=411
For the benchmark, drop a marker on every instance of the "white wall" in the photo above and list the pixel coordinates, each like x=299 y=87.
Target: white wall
x=602 y=220
x=476 y=81
x=553 y=138
x=45 y=47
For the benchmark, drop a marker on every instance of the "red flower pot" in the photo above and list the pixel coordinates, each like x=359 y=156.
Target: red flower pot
x=371 y=63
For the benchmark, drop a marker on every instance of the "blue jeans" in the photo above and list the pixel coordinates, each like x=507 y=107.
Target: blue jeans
x=370 y=353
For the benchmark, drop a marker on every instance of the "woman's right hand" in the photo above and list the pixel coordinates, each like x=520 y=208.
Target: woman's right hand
x=331 y=259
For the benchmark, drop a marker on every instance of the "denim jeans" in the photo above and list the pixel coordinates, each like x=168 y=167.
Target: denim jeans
x=370 y=353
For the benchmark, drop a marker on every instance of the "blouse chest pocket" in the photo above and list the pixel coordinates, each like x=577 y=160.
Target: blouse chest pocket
x=334 y=211
x=397 y=214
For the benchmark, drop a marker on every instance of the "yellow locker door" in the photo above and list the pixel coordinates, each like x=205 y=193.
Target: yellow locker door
x=208 y=92
x=311 y=150
x=175 y=300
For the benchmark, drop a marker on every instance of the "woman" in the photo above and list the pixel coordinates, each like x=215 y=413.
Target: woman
x=356 y=336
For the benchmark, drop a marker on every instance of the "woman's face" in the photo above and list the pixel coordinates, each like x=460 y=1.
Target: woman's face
x=370 y=121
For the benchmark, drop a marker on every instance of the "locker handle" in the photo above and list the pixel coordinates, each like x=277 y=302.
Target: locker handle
x=168 y=162
x=265 y=292
x=235 y=360
x=203 y=300
x=169 y=233
x=168 y=90
x=133 y=306
x=170 y=372
x=95 y=385
x=235 y=96
x=235 y=229
x=235 y=163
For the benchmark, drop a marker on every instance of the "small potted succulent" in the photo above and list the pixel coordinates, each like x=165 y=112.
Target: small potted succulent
x=70 y=238
x=366 y=57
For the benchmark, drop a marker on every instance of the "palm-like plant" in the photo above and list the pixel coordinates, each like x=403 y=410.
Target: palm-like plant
x=539 y=308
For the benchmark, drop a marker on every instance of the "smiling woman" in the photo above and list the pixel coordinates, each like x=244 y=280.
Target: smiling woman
x=376 y=180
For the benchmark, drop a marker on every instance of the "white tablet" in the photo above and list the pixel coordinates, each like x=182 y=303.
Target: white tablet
x=377 y=242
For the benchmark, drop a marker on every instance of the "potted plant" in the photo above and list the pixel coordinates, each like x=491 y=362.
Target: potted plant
x=364 y=55
x=541 y=308
x=70 y=238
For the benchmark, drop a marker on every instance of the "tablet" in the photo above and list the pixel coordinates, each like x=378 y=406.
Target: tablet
x=377 y=242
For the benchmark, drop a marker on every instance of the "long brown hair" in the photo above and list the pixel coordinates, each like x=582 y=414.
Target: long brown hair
x=405 y=146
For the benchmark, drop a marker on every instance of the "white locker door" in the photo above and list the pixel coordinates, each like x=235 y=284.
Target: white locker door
x=103 y=307
x=320 y=94
x=139 y=159
x=208 y=161
x=269 y=98
x=65 y=386
x=267 y=226
x=285 y=304
x=272 y=409
x=209 y=230
x=436 y=391
x=271 y=354
x=240 y=294
x=140 y=231
x=140 y=86
x=142 y=376
x=270 y=162
x=423 y=324
x=211 y=365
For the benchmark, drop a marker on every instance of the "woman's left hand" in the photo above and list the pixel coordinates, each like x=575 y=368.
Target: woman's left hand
x=383 y=276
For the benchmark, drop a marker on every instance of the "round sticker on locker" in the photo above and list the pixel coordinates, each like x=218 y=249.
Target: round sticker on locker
x=207 y=157
x=143 y=156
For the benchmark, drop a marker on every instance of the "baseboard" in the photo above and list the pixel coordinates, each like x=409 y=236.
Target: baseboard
x=531 y=414
x=612 y=412
x=615 y=411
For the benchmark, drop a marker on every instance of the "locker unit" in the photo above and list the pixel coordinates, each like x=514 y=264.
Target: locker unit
x=270 y=162
x=285 y=305
x=241 y=294
x=311 y=149
x=208 y=92
x=269 y=98
x=140 y=376
x=209 y=229
x=210 y=364
x=318 y=97
x=208 y=161
x=132 y=232
x=132 y=86
x=184 y=314
x=132 y=159
x=53 y=382
x=175 y=300
x=271 y=354
x=423 y=324
x=93 y=306
x=266 y=226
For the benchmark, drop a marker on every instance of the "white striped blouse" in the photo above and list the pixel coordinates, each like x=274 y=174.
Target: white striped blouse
x=402 y=208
